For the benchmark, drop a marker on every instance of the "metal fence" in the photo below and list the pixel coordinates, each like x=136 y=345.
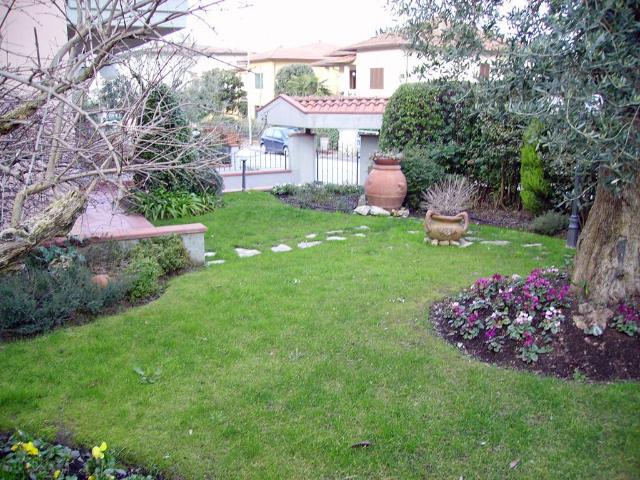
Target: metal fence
x=253 y=161
x=339 y=167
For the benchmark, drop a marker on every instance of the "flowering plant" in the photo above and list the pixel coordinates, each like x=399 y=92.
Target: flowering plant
x=627 y=319
x=22 y=458
x=526 y=311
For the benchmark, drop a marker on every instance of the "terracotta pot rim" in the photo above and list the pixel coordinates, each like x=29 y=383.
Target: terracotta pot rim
x=451 y=218
x=386 y=161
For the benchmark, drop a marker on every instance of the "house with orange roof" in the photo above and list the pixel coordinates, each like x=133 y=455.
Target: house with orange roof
x=263 y=68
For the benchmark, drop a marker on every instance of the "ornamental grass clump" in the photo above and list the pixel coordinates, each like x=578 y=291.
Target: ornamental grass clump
x=520 y=313
x=451 y=196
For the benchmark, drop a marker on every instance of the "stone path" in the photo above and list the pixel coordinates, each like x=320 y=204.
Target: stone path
x=246 y=252
x=500 y=243
x=529 y=245
x=332 y=236
x=309 y=244
x=281 y=248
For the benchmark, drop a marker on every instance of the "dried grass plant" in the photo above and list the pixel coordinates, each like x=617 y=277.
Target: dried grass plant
x=450 y=196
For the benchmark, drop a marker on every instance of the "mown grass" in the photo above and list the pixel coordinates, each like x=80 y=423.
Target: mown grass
x=273 y=366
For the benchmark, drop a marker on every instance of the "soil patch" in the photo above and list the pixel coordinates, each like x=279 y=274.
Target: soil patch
x=611 y=356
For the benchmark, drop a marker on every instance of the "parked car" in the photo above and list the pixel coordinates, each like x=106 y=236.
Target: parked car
x=276 y=140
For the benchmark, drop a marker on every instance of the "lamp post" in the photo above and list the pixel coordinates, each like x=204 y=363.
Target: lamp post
x=574 y=221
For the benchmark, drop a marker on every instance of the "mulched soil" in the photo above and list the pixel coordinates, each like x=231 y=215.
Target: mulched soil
x=80 y=457
x=611 y=356
x=339 y=203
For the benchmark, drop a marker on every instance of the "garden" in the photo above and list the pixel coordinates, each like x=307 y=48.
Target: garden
x=444 y=326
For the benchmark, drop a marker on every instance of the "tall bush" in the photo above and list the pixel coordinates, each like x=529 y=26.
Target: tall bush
x=421 y=172
x=534 y=188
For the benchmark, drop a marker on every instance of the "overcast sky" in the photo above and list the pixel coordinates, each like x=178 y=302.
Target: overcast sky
x=260 y=25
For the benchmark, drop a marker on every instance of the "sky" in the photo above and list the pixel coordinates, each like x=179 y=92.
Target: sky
x=261 y=25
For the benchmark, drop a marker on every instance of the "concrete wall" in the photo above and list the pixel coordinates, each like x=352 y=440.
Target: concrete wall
x=260 y=180
x=368 y=146
x=302 y=148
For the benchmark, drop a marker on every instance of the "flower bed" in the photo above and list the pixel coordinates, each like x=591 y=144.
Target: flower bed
x=34 y=459
x=526 y=323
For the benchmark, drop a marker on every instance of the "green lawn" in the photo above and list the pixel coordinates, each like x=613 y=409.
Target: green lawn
x=273 y=366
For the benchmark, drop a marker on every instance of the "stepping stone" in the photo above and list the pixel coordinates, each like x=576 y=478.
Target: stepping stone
x=362 y=227
x=473 y=239
x=413 y=232
x=334 y=232
x=311 y=236
x=245 y=252
x=361 y=235
x=334 y=238
x=499 y=243
x=464 y=243
x=309 y=244
x=209 y=254
x=529 y=245
x=281 y=248
x=215 y=262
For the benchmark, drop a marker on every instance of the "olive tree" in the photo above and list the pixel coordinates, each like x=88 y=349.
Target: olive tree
x=575 y=66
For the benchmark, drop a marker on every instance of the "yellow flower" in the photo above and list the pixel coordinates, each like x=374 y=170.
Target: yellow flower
x=97 y=453
x=27 y=465
x=15 y=446
x=56 y=474
x=31 y=449
x=91 y=477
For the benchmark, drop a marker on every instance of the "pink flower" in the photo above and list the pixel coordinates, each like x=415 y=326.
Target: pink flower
x=491 y=333
x=529 y=339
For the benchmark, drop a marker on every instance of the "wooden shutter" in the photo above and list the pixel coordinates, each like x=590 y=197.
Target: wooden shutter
x=376 y=78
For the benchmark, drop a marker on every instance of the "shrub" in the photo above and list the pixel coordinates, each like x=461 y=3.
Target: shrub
x=145 y=275
x=160 y=204
x=549 y=223
x=524 y=312
x=342 y=198
x=449 y=197
x=285 y=189
x=169 y=252
x=534 y=188
x=441 y=117
x=421 y=173
x=38 y=298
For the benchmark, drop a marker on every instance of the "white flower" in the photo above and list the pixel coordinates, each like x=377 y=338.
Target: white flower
x=523 y=317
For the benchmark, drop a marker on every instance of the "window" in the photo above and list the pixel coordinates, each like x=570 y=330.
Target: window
x=259 y=81
x=376 y=78
x=484 y=70
x=352 y=79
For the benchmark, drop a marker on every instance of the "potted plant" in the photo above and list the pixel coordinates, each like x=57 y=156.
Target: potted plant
x=386 y=185
x=446 y=202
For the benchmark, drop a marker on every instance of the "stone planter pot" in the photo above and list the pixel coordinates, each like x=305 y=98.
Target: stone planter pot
x=386 y=185
x=443 y=227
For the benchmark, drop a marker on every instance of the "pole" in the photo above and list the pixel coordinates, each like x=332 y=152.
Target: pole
x=574 y=221
x=248 y=105
x=244 y=174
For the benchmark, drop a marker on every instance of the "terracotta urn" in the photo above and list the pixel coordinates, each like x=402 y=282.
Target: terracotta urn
x=443 y=227
x=386 y=185
x=100 y=280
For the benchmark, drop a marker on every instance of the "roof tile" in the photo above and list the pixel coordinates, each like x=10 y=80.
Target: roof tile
x=338 y=104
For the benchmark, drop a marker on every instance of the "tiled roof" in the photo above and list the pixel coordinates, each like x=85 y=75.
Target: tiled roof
x=379 y=42
x=337 y=104
x=312 y=52
x=335 y=60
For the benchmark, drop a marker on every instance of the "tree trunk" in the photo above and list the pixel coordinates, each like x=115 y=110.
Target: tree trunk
x=56 y=220
x=607 y=265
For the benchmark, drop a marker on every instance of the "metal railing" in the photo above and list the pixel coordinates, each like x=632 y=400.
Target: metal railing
x=340 y=166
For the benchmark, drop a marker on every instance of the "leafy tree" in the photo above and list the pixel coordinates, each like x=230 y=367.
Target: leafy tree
x=215 y=92
x=299 y=80
x=574 y=65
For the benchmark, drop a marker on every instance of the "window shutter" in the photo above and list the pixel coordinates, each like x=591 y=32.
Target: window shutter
x=376 y=78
